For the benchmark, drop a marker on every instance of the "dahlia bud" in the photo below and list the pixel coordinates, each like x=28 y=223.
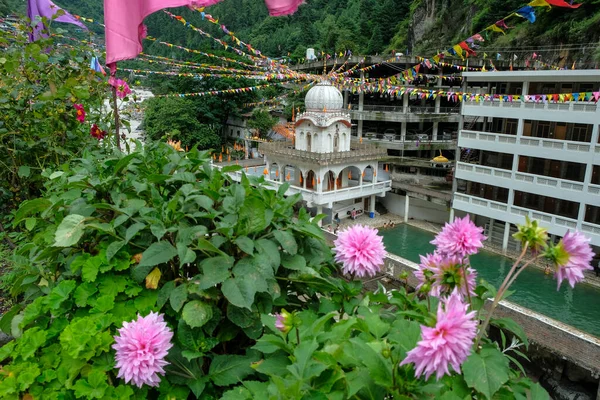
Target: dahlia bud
x=403 y=275
x=532 y=235
x=285 y=321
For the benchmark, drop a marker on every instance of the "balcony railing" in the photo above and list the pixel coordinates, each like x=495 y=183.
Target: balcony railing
x=526 y=141
x=358 y=152
x=514 y=214
x=578 y=107
x=525 y=181
x=410 y=109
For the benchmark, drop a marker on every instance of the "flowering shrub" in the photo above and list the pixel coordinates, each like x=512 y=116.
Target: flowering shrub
x=49 y=97
x=118 y=237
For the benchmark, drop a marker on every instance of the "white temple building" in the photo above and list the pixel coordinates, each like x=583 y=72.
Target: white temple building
x=334 y=174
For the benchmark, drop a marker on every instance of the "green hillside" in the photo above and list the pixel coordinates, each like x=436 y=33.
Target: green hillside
x=421 y=27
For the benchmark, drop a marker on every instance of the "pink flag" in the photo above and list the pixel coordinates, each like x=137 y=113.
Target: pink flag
x=124 y=21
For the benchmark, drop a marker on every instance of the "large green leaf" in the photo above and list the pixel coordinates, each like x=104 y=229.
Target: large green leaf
x=69 y=231
x=60 y=293
x=157 y=253
x=30 y=207
x=405 y=334
x=537 y=392
x=215 y=270
x=239 y=291
x=229 y=369
x=486 y=371
x=197 y=313
x=287 y=241
x=380 y=368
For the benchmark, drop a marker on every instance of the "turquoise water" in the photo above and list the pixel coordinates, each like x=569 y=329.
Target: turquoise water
x=579 y=307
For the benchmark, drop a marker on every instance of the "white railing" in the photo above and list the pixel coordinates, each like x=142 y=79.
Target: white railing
x=499 y=138
x=515 y=214
x=525 y=178
x=578 y=107
x=331 y=196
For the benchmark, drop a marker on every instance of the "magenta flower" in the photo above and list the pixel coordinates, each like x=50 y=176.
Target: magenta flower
x=571 y=256
x=449 y=274
x=80 y=112
x=97 y=133
x=122 y=87
x=461 y=238
x=141 y=349
x=448 y=343
x=360 y=250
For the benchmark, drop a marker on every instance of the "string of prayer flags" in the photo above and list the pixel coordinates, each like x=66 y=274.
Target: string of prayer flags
x=555 y=3
x=526 y=12
x=218 y=92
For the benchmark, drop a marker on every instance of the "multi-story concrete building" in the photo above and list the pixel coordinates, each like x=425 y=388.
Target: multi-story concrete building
x=530 y=158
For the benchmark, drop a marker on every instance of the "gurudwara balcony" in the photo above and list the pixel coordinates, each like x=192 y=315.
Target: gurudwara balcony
x=358 y=152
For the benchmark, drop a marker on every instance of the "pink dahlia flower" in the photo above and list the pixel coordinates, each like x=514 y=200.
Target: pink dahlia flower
x=360 y=250
x=141 y=347
x=80 y=112
x=427 y=269
x=461 y=238
x=448 y=343
x=449 y=274
x=574 y=256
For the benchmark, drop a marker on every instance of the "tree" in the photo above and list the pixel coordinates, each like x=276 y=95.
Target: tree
x=177 y=119
x=262 y=121
x=376 y=43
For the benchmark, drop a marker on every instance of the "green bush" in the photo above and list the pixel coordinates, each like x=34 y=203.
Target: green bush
x=40 y=83
x=105 y=222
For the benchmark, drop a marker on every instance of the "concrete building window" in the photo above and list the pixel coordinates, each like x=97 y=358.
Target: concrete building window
x=238 y=133
x=596 y=175
x=552 y=168
x=543 y=130
x=511 y=127
x=547 y=204
x=496 y=160
x=489 y=192
x=581 y=133
x=592 y=215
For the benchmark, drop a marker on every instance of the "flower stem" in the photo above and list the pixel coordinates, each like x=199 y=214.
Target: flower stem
x=298 y=336
x=499 y=295
x=465 y=272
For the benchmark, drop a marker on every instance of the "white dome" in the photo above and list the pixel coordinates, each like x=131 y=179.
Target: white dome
x=324 y=96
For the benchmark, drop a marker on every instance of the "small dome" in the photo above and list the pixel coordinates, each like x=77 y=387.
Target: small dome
x=324 y=97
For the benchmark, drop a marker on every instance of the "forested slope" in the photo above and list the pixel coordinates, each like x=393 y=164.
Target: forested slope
x=375 y=26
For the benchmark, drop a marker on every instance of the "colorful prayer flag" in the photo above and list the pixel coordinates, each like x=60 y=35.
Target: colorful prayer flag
x=47 y=9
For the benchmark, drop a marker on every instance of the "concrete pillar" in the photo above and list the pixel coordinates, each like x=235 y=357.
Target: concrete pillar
x=372 y=203
x=403 y=131
x=361 y=104
x=406 y=207
x=438 y=101
x=346 y=95
x=506 y=236
x=525 y=89
x=320 y=211
x=303 y=180
x=405 y=103
x=434 y=135
x=451 y=215
x=360 y=179
x=491 y=233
